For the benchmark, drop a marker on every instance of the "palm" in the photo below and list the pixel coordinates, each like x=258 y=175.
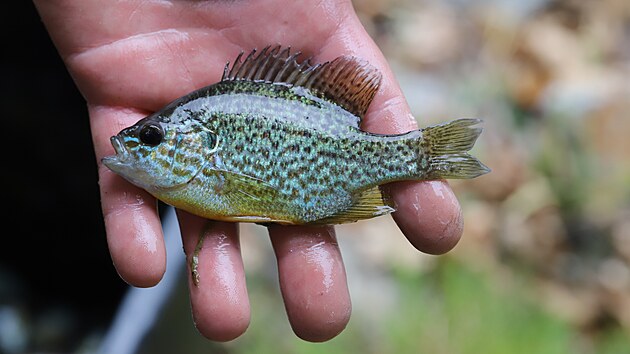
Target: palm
x=142 y=55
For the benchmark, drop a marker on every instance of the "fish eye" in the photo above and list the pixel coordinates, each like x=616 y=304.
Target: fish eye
x=151 y=134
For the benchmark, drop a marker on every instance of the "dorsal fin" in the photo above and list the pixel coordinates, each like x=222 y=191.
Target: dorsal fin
x=347 y=81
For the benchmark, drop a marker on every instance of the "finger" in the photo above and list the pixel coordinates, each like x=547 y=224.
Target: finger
x=219 y=301
x=312 y=280
x=429 y=215
x=132 y=224
x=427 y=212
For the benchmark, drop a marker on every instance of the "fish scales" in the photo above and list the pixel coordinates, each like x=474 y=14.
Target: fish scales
x=302 y=163
x=285 y=149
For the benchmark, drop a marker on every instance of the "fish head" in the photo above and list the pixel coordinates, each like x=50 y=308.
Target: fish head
x=155 y=155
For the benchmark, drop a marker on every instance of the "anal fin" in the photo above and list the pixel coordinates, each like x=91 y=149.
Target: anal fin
x=370 y=203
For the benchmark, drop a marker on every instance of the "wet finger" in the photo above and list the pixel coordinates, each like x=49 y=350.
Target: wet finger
x=428 y=214
x=132 y=223
x=219 y=301
x=312 y=280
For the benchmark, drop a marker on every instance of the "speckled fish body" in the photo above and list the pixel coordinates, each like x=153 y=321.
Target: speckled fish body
x=279 y=141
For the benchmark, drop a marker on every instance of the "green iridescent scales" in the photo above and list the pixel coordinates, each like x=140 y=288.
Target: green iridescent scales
x=280 y=141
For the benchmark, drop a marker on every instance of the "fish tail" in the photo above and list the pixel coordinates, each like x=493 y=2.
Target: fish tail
x=446 y=146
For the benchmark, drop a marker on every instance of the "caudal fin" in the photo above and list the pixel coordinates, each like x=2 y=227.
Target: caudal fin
x=447 y=146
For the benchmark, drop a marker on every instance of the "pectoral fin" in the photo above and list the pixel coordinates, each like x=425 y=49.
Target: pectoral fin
x=251 y=199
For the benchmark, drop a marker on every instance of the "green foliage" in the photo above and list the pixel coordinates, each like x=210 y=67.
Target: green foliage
x=460 y=311
x=451 y=310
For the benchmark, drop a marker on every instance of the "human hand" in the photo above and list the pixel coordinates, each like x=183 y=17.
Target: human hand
x=130 y=58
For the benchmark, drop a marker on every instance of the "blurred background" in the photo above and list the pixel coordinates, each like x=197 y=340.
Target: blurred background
x=544 y=263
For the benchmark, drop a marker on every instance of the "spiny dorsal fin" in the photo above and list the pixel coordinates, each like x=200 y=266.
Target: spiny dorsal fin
x=347 y=81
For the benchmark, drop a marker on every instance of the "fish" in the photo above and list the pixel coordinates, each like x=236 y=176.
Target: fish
x=279 y=140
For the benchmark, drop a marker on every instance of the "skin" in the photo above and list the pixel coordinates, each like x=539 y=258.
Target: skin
x=129 y=58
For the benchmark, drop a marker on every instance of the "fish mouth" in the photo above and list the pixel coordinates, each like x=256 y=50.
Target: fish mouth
x=122 y=154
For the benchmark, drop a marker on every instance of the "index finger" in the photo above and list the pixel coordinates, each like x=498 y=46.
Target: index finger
x=428 y=212
x=132 y=223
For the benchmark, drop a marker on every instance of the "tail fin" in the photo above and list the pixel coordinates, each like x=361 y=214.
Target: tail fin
x=447 y=145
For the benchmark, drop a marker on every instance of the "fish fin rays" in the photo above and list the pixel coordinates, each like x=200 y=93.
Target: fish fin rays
x=347 y=81
x=368 y=204
x=242 y=190
x=447 y=146
x=246 y=188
